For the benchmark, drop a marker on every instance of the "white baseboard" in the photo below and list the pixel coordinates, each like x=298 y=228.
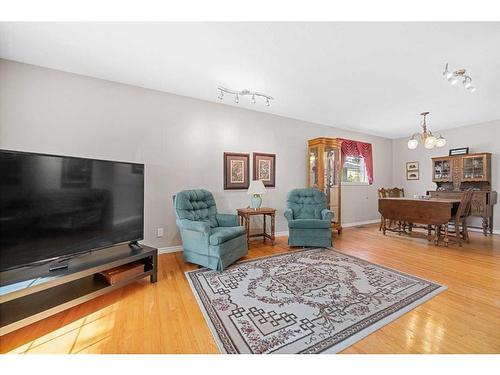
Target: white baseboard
x=358 y=223
x=169 y=249
x=495 y=231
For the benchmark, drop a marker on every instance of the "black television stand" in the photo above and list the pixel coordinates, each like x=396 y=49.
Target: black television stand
x=30 y=294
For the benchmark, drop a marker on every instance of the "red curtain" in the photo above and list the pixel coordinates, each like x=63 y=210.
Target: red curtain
x=359 y=149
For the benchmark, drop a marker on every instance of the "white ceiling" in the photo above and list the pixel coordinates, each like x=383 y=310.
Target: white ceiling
x=370 y=77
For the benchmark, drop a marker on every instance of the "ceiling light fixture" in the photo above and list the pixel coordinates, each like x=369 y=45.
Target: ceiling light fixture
x=457 y=75
x=428 y=139
x=237 y=94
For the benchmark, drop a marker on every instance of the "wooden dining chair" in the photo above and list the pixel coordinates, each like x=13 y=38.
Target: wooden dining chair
x=459 y=220
x=396 y=192
x=382 y=193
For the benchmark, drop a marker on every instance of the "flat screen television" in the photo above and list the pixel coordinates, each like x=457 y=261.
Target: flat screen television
x=53 y=207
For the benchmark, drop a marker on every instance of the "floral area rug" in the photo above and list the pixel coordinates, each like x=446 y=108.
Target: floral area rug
x=310 y=301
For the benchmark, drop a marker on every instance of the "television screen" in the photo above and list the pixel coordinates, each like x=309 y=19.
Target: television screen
x=57 y=206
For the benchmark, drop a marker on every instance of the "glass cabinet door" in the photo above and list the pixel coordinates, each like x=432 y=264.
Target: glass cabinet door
x=473 y=168
x=313 y=167
x=331 y=180
x=442 y=170
x=438 y=168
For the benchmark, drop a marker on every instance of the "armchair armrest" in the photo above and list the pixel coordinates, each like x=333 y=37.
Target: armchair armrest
x=197 y=226
x=326 y=214
x=227 y=220
x=288 y=214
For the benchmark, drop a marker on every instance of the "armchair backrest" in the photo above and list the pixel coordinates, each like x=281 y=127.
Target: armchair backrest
x=306 y=203
x=196 y=205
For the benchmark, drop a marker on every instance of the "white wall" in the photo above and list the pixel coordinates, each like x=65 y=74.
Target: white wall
x=484 y=137
x=181 y=140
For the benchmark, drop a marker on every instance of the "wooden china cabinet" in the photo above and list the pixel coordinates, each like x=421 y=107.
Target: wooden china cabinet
x=325 y=173
x=454 y=174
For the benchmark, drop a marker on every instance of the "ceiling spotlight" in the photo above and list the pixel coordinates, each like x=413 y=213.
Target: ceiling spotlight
x=237 y=94
x=454 y=77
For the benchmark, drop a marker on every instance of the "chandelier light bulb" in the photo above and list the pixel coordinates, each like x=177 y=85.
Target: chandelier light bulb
x=253 y=99
x=237 y=99
x=453 y=80
x=221 y=95
x=430 y=142
x=467 y=84
x=472 y=89
x=412 y=144
x=440 y=142
x=268 y=103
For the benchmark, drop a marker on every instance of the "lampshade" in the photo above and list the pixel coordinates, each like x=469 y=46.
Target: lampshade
x=257 y=187
x=440 y=142
x=412 y=144
x=430 y=142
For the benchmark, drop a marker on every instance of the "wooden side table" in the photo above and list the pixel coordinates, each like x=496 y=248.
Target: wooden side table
x=244 y=215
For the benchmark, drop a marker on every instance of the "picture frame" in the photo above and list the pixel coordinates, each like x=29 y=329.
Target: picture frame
x=236 y=171
x=412 y=166
x=458 y=151
x=264 y=168
x=413 y=175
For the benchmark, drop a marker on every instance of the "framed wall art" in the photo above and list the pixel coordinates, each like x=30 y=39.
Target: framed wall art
x=236 y=171
x=459 y=151
x=412 y=166
x=412 y=175
x=264 y=168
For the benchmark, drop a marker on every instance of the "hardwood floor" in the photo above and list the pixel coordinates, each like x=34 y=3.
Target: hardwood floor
x=165 y=318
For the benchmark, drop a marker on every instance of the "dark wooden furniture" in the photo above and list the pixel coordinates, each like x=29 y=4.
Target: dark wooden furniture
x=459 y=220
x=390 y=193
x=455 y=174
x=433 y=211
x=481 y=205
x=244 y=215
x=29 y=294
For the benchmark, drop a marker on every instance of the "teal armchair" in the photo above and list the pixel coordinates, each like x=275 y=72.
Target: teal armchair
x=209 y=239
x=309 y=221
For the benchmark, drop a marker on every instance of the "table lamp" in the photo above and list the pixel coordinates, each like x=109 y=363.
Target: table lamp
x=256 y=189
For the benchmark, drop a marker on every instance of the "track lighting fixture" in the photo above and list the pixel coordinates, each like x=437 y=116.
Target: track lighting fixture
x=457 y=75
x=254 y=95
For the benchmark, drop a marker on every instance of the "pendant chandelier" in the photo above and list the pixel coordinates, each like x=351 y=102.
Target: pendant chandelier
x=428 y=139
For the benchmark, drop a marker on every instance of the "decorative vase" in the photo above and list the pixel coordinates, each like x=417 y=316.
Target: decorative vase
x=256 y=201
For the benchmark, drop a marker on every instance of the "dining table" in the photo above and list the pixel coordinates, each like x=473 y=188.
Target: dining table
x=409 y=212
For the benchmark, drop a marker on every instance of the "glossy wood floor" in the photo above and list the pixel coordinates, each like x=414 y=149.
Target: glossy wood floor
x=165 y=318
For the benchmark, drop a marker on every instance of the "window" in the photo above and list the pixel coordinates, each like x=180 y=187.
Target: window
x=357 y=162
x=354 y=171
